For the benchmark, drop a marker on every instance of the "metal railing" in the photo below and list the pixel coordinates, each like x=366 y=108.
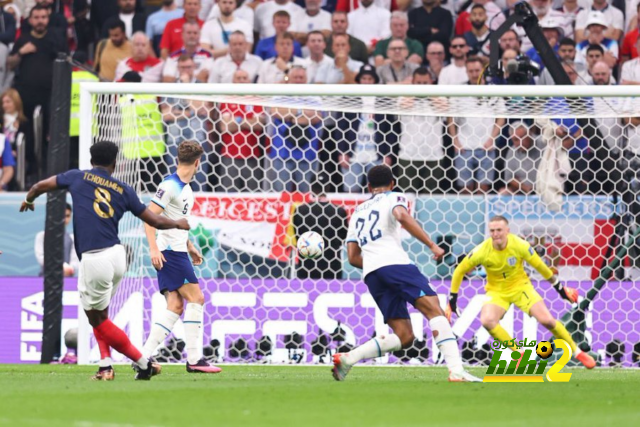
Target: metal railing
x=21 y=155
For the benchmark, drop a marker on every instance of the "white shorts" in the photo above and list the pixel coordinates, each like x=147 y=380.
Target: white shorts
x=99 y=276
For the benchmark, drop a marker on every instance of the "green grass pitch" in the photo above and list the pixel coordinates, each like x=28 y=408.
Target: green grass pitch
x=61 y=395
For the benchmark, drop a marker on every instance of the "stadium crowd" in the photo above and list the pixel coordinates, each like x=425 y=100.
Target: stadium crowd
x=319 y=42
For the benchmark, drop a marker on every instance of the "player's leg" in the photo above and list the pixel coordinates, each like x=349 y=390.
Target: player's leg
x=492 y=311
x=193 y=316
x=165 y=322
x=532 y=303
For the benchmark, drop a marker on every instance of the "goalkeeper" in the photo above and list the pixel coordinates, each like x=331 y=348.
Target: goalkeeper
x=507 y=283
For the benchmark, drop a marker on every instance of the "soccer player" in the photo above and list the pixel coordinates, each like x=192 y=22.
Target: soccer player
x=170 y=253
x=502 y=256
x=100 y=201
x=373 y=244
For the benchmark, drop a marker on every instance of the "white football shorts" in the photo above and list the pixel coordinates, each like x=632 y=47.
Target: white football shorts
x=99 y=276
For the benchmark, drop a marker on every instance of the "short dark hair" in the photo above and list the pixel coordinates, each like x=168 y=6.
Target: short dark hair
x=103 y=153
x=458 y=37
x=380 y=176
x=569 y=42
x=116 y=23
x=38 y=7
x=316 y=32
x=478 y=6
x=421 y=71
x=595 y=47
x=281 y=14
x=285 y=36
x=68 y=207
x=189 y=152
x=499 y=218
x=184 y=58
x=474 y=58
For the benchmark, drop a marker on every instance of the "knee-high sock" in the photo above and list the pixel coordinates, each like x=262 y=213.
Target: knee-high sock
x=561 y=332
x=375 y=347
x=159 y=332
x=192 y=329
x=105 y=350
x=446 y=342
x=501 y=335
x=118 y=340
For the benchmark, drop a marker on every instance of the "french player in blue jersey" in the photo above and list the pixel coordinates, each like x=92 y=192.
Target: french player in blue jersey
x=170 y=251
x=374 y=245
x=100 y=201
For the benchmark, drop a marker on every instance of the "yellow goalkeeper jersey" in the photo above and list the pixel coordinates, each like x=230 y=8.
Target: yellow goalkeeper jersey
x=505 y=271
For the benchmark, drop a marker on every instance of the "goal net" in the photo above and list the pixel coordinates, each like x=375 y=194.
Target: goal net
x=561 y=163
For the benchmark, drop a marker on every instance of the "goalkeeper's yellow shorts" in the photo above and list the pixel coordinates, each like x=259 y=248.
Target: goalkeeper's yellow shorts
x=524 y=297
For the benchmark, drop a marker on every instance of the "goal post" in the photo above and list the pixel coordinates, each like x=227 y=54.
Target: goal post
x=560 y=162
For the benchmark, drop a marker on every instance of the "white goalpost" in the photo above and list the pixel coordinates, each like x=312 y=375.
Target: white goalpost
x=560 y=162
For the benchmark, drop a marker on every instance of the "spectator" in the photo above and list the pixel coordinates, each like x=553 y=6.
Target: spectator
x=111 y=51
x=362 y=145
x=510 y=40
x=215 y=33
x=293 y=157
x=357 y=48
x=435 y=60
x=312 y=18
x=629 y=47
x=79 y=31
x=241 y=127
x=157 y=21
x=321 y=214
x=351 y=5
x=141 y=61
x=477 y=37
x=571 y=9
x=101 y=10
x=596 y=26
x=266 y=48
x=369 y=23
x=172 y=39
x=601 y=74
x=238 y=58
x=474 y=139
x=421 y=150
x=521 y=161
x=570 y=68
x=456 y=72
x=275 y=70
x=133 y=22
x=57 y=22
x=14 y=119
x=430 y=22
x=566 y=52
x=263 y=21
x=32 y=58
x=316 y=46
x=493 y=14
x=8 y=28
x=553 y=33
x=399 y=27
x=7 y=163
x=71 y=263
x=400 y=69
x=543 y=10
x=244 y=11
x=343 y=69
x=631 y=70
x=202 y=58
x=186 y=119
x=611 y=16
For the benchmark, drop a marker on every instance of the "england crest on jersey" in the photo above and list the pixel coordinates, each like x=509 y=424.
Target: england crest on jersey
x=512 y=261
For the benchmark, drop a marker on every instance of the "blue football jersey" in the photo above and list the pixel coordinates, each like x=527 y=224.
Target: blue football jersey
x=99 y=202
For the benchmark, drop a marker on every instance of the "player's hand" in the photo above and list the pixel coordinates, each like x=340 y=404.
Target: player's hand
x=157 y=259
x=452 y=306
x=26 y=206
x=183 y=224
x=567 y=293
x=438 y=252
x=196 y=256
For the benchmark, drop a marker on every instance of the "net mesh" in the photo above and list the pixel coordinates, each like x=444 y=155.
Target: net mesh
x=562 y=169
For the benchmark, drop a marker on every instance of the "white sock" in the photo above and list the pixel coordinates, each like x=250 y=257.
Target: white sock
x=159 y=331
x=192 y=329
x=105 y=362
x=376 y=347
x=446 y=342
x=142 y=362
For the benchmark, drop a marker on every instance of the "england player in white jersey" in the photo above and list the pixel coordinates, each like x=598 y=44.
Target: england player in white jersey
x=374 y=244
x=170 y=253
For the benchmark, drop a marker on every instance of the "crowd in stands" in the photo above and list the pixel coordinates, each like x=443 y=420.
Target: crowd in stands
x=322 y=42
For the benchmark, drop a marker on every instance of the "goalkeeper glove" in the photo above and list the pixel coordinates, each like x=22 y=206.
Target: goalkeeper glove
x=452 y=306
x=565 y=292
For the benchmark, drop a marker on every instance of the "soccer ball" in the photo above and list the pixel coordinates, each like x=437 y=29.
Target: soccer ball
x=310 y=245
x=544 y=349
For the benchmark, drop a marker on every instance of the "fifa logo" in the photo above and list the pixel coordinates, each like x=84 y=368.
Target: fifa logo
x=524 y=369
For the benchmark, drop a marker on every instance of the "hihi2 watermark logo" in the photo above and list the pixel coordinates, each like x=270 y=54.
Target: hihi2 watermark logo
x=528 y=370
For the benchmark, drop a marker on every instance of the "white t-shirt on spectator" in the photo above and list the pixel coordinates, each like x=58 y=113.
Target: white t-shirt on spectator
x=213 y=33
x=608 y=45
x=263 y=21
x=243 y=12
x=303 y=23
x=222 y=69
x=369 y=24
x=453 y=75
x=631 y=70
x=270 y=73
x=328 y=73
x=202 y=58
x=313 y=66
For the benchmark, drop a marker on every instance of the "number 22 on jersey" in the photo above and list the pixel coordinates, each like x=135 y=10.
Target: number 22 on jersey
x=368 y=228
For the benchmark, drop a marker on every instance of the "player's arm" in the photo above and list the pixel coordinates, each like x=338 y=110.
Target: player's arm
x=468 y=263
x=162 y=222
x=534 y=260
x=355 y=254
x=157 y=259
x=402 y=215
x=36 y=190
x=194 y=253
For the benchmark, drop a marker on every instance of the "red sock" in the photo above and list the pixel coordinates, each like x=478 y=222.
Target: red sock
x=118 y=340
x=105 y=350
